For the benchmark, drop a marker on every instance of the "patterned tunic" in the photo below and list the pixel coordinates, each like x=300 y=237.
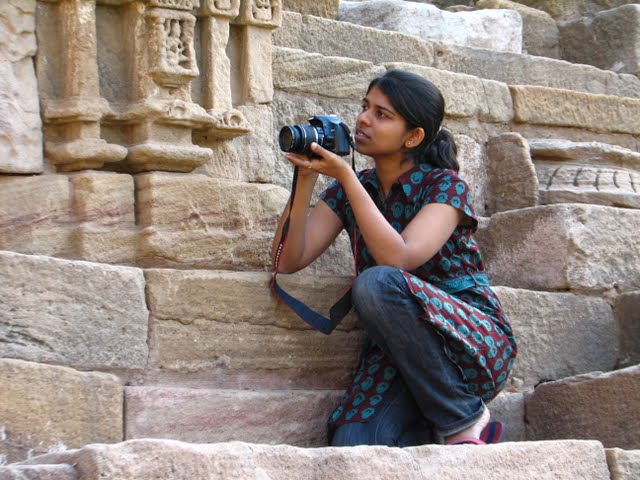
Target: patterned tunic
x=452 y=289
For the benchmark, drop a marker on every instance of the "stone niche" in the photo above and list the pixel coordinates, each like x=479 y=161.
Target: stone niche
x=140 y=85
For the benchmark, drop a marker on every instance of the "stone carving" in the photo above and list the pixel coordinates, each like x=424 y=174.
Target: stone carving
x=71 y=104
x=176 y=4
x=265 y=13
x=172 y=56
x=586 y=172
x=224 y=8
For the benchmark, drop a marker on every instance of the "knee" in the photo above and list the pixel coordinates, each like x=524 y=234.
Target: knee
x=372 y=285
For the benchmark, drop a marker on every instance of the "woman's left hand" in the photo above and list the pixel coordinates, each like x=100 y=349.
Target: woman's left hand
x=328 y=164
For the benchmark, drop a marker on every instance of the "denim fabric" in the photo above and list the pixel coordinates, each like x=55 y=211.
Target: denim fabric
x=390 y=314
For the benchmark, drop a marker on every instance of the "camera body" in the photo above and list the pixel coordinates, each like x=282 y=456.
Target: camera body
x=328 y=131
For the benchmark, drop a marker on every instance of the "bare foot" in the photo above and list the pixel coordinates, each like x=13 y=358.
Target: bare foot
x=473 y=431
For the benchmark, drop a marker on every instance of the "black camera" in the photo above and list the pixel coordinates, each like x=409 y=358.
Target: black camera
x=328 y=131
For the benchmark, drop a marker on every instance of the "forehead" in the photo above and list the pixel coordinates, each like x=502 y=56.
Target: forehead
x=378 y=98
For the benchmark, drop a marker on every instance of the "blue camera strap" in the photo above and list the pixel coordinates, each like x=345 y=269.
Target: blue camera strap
x=337 y=312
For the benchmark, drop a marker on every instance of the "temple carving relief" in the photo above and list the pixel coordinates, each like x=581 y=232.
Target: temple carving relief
x=127 y=85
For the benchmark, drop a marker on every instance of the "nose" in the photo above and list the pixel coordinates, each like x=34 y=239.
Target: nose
x=362 y=118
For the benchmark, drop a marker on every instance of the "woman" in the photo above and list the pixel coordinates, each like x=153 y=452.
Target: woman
x=440 y=346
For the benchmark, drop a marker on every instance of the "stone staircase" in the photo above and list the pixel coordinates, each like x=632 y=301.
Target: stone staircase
x=139 y=339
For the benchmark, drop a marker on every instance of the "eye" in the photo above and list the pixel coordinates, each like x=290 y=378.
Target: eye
x=363 y=107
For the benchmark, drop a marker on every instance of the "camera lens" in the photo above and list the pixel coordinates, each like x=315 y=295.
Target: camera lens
x=298 y=138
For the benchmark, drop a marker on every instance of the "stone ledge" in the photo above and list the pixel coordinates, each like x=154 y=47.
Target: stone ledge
x=153 y=459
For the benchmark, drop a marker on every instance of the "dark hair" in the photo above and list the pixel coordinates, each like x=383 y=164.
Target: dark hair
x=421 y=104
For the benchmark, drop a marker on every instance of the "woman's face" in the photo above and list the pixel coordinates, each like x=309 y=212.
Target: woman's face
x=381 y=131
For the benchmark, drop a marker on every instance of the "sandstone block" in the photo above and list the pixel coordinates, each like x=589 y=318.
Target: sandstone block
x=200 y=321
x=198 y=221
x=70 y=312
x=104 y=205
x=467 y=96
x=599 y=406
x=627 y=314
x=623 y=464
x=571 y=9
x=294 y=417
x=491 y=29
x=512 y=181
x=540 y=34
x=560 y=247
x=151 y=459
x=324 y=8
x=516 y=69
x=35 y=214
x=564 y=108
x=610 y=40
x=559 y=334
x=46 y=407
x=338 y=77
x=342 y=39
x=38 y=472
x=254 y=150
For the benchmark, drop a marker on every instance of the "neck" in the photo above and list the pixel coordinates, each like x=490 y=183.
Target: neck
x=389 y=172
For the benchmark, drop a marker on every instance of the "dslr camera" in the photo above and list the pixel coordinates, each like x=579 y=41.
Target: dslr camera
x=328 y=131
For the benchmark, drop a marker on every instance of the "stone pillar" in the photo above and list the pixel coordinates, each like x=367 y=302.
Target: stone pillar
x=160 y=116
x=67 y=67
x=214 y=18
x=257 y=18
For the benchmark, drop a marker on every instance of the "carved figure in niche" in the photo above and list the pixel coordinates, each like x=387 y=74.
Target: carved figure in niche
x=177 y=46
x=262 y=10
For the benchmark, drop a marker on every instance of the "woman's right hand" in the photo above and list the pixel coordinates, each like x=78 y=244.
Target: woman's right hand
x=304 y=164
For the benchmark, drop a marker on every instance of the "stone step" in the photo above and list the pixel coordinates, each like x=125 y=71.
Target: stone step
x=596 y=406
x=342 y=39
x=564 y=246
x=153 y=459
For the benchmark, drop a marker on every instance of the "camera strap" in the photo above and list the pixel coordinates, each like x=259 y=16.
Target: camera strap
x=339 y=310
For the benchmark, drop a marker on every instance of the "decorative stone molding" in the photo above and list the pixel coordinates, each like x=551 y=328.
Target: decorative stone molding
x=71 y=104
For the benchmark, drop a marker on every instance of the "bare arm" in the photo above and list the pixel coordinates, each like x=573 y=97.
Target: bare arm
x=310 y=233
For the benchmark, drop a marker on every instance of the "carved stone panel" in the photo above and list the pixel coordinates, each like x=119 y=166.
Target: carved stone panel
x=261 y=13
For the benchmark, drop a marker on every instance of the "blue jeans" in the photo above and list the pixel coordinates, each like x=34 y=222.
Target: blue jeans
x=429 y=400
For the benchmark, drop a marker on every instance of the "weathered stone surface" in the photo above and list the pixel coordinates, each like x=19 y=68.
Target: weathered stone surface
x=559 y=334
x=540 y=34
x=512 y=181
x=610 y=40
x=508 y=407
x=566 y=246
x=152 y=459
x=323 y=8
x=623 y=464
x=569 y=9
x=103 y=203
x=38 y=472
x=467 y=96
x=589 y=153
x=200 y=321
x=338 y=77
x=343 y=39
x=45 y=407
x=565 y=108
x=35 y=214
x=586 y=172
x=198 y=221
x=627 y=313
x=76 y=313
x=20 y=124
x=492 y=29
x=599 y=406
x=472 y=158
x=295 y=417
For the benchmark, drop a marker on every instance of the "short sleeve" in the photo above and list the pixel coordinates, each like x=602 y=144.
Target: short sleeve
x=335 y=199
x=448 y=188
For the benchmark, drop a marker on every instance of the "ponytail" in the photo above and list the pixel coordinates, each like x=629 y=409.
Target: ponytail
x=441 y=151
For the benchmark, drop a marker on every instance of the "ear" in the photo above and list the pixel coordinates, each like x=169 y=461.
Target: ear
x=414 y=137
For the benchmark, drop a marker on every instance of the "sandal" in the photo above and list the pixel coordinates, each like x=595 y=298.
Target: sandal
x=492 y=433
